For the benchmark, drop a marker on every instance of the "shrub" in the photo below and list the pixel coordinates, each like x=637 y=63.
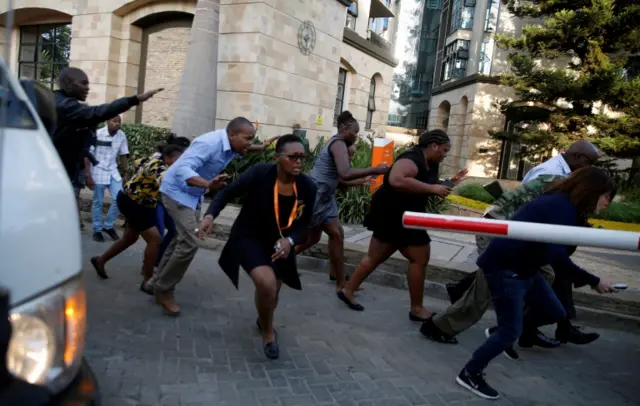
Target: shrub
x=631 y=194
x=474 y=191
x=624 y=212
x=143 y=140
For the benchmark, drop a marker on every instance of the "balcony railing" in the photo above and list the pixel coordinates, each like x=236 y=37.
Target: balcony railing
x=379 y=41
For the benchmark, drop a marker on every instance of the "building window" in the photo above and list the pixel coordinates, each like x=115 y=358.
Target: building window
x=371 y=105
x=421 y=121
x=421 y=85
x=462 y=15
x=342 y=81
x=395 y=120
x=352 y=14
x=434 y=4
x=454 y=64
x=484 y=64
x=491 y=19
x=44 y=52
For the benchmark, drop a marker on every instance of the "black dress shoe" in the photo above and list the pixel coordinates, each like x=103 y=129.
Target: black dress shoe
x=432 y=332
x=98 y=237
x=538 y=339
x=112 y=233
x=573 y=335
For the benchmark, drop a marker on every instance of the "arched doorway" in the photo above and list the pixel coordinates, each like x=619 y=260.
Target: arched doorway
x=519 y=115
x=165 y=39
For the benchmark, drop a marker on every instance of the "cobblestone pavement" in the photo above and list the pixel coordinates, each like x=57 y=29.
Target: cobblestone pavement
x=212 y=355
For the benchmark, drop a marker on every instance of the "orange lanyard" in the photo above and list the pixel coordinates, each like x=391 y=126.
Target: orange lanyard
x=276 y=205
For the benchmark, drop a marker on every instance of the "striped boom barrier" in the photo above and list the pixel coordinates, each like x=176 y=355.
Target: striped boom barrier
x=518 y=230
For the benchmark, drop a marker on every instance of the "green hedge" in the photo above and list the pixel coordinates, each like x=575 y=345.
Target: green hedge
x=143 y=140
x=474 y=191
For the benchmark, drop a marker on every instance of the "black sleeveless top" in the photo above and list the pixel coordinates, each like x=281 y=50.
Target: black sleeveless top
x=389 y=204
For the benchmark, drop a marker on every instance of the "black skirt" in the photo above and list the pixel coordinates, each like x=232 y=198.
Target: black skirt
x=252 y=252
x=387 y=227
x=139 y=217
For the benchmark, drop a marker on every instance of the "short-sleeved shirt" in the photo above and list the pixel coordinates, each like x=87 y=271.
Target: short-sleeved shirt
x=106 y=151
x=144 y=187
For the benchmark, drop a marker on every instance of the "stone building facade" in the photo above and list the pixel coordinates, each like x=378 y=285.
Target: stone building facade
x=466 y=87
x=266 y=70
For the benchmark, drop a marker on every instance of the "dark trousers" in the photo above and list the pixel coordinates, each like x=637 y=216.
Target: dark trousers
x=508 y=294
x=163 y=220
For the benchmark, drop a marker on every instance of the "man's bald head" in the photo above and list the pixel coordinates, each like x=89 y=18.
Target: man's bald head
x=581 y=154
x=74 y=82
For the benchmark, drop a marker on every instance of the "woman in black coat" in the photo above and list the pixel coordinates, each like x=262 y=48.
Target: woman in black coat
x=273 y=220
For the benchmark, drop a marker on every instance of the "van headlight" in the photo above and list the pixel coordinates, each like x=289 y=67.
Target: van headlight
x=48 y=336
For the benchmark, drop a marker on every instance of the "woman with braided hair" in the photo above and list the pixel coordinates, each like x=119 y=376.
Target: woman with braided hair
x=406 y=187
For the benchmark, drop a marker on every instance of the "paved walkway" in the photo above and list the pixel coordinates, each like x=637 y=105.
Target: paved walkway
x=211 y=355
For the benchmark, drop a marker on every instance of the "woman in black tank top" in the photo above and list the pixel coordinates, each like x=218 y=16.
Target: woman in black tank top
x=406 y=187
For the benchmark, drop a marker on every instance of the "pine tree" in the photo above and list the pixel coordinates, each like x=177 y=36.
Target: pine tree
x=596 y=95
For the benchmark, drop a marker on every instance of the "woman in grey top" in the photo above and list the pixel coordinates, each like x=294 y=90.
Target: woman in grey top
x=330 y=168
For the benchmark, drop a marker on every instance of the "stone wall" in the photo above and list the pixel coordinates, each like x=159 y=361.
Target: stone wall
x=164 y=49
x=262 y=74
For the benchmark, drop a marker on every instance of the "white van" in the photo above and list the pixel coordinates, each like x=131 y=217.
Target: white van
x=41 y=283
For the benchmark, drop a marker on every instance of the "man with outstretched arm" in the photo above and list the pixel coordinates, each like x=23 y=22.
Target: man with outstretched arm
x=77 y=122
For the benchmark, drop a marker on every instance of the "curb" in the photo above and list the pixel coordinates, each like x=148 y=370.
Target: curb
x=621 y=310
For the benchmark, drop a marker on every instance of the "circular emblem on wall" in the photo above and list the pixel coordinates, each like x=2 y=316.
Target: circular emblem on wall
x=306 y=37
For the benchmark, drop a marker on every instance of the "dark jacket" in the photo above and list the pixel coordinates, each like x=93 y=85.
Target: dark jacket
x=77 y=123
x=526 y=257
x=257 y=221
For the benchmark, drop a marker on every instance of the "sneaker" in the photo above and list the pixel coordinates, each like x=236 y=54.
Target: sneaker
x=432 y=332
x=98 y=237
x=573 y=335
x=112 y=233
x=538 y=339
x=476 y=384
x=510 y=352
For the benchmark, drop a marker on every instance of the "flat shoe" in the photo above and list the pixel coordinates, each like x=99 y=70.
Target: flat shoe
x=99 y=270
x=353 y=306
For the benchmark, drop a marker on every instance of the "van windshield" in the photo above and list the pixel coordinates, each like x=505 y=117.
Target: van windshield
x=14 y=112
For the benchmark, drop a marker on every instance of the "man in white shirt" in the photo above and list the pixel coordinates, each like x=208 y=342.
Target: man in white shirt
x=580 y=154
x=111 y=143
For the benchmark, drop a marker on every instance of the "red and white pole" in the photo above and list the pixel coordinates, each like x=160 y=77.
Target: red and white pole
x=518 y=230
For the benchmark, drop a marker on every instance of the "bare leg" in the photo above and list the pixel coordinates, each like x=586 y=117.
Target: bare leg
x=378 y=253
x=129 y=238
x=336 y=252
x=266 y=297
x=418 y=257
x=153 y=240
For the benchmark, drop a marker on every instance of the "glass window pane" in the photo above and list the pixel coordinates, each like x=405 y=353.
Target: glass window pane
x=28 y=53
x=28 y=34
x=47 y=34
x=14 y=111
x=27 y=71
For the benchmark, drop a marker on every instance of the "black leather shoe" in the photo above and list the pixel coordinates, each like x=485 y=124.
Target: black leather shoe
x=573 y=335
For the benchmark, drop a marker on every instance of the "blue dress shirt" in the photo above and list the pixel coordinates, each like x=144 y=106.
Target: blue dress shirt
x=206 y=157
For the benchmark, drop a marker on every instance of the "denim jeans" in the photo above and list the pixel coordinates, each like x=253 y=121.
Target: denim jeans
x=508 y=294
x=98 y=196
x=164 y=220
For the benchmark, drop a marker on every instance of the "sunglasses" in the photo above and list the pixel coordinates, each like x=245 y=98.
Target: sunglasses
x=296 y=157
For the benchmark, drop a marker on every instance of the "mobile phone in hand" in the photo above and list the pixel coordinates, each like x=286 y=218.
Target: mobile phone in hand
x=448 y=183
x=620 y=286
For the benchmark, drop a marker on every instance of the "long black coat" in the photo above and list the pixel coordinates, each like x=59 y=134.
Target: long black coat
x=257 y=220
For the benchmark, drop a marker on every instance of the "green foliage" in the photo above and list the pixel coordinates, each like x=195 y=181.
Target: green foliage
x=143 y=140
x=353 y=204
x=631 y=194
x=474 y=191
x=624 y=212
x=601 y=39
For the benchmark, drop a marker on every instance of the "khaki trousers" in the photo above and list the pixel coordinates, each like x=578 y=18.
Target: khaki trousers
x=181 y=250
x=470 y=308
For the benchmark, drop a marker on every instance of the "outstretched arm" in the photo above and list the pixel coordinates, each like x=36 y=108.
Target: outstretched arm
x=262 y=146
x=341 y=157
x=241 y=186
